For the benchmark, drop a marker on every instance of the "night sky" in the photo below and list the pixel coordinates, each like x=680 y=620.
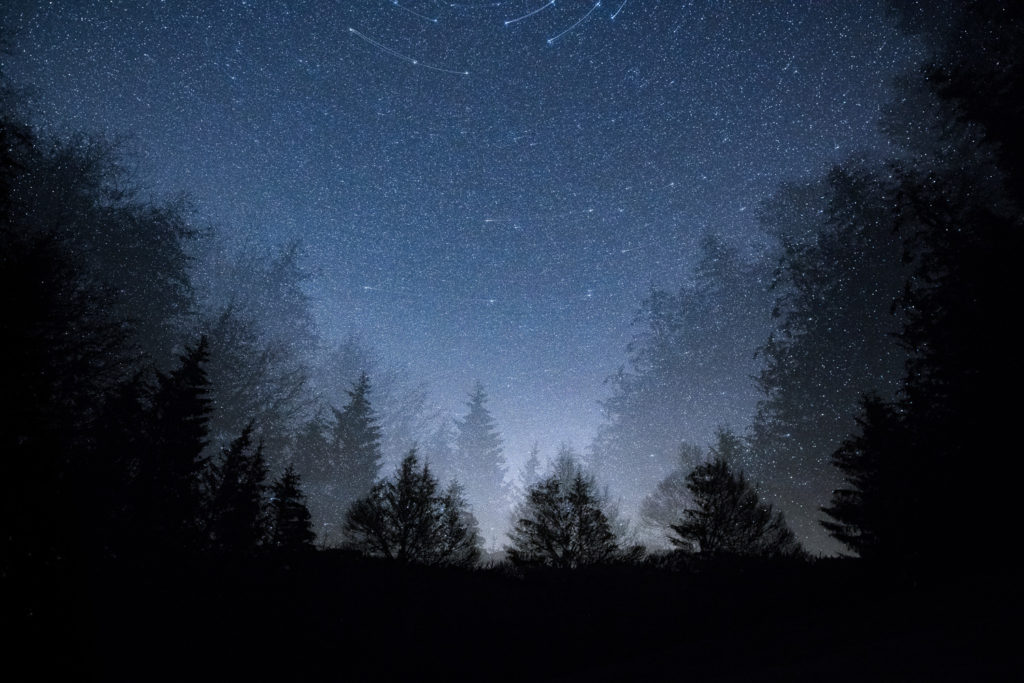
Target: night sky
x=481 y=197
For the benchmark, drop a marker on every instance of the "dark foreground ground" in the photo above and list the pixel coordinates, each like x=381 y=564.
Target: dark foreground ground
x=332 y=616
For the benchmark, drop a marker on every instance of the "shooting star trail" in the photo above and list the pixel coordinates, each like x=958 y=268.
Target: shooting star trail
x=529 y=14
x=407 y=58
x=579 y=21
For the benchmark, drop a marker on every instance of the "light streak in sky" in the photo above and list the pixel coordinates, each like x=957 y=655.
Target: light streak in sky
x=405 y=57
x=616 y=12
x=529 y=14
x=579 y=21
x=463 y=5
x=413 y=12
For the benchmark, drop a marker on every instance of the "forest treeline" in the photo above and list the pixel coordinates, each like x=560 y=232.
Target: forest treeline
x=149 y=413
x=155 y=416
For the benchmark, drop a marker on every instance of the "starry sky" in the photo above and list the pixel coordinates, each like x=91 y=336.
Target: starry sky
x=485 y=190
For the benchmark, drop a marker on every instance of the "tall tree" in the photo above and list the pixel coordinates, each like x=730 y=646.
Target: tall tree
x=481 y=466
x=531 y=471
x=957 y=202
x=406 y=518
x=236 y=517
x=356 y=439
x=62 y=354
x=727 y=516
x=290 y=521
x=314 y=460
x=80 y=191
x=171 y=470
x=876 y=513
x=660 y=508
x=561 y=523
x=255 y=378
x=399 y=400
x=840 y=275
x=689 y=369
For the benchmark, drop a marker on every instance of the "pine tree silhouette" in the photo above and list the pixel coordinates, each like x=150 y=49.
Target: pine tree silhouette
x=480 y=465
x=357 y=440
x=561 y=524
x=237 y=520
x=291 y=523
x=406 y=518
x=727 y=516
x=171 y=471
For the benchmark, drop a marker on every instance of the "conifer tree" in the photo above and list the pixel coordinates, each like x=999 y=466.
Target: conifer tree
x=171 y=471
x=314 y=461
x=531 y=471
x=458 y=534
x=874 y=513
x=291 y=523
x=406 y=518
x=237 y=520
x=356 y=441
x=727 y=517
x=481 y=464
x=660 y=509
x=956 y=197
x=561 y=522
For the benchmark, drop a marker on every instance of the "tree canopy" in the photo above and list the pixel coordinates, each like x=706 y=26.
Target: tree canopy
x=726 y=516
x=408 y=518
x=561 y=522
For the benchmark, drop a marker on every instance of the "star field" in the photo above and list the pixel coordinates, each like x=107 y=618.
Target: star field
x=484 y=189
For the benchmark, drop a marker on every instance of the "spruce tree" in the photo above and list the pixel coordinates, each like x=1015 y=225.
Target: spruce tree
x=876 y=513
x=171 y=471
x=956 y=195
x=481 y=464
x=660 y=508
x=356 y=441
x=407 y=518
x=458 y=533
x=237 y=520
x=291 y=523
x=314 y=460
x=727 y=516
x=561 y=523
x=531 y=471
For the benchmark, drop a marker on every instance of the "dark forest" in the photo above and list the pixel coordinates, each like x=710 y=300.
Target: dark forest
x=802 y=472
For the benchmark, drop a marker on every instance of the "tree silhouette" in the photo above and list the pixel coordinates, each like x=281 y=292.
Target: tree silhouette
x=400 y=401
x=561 y=523
x=531 y=471
x=727 y=517
x=254 y=378
x=82 y=193
x=290 y=522
x=62 y=354
x=356 y=438
x=875 y=515
x=170 y=473
x=689 y=368
x=406 y=518
x=956 y=200
x=236 y=516
x=480 y=463
x=660 y=509
x=840 y=274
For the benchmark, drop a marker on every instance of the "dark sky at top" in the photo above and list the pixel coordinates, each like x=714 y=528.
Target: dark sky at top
x=500 y=224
